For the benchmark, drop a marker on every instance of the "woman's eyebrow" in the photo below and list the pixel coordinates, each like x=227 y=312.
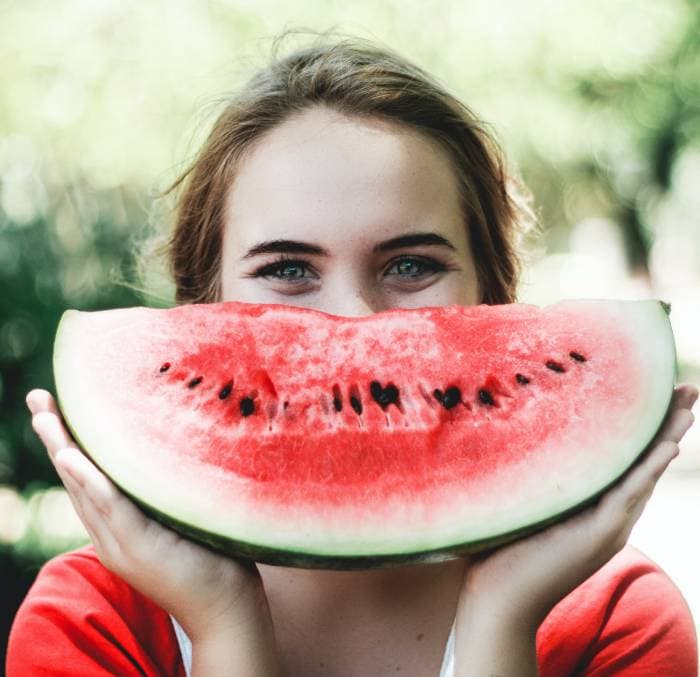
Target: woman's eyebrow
x=297 y=247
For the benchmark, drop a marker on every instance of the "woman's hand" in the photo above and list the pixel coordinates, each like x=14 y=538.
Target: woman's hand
x=517 y=584
x=216 y=600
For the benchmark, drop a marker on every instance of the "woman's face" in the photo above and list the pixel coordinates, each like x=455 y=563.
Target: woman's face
x=367 y=212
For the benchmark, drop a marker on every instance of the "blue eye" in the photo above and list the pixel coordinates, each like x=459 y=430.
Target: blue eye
x=283 y=265
x=406 y=265
x=426 y=265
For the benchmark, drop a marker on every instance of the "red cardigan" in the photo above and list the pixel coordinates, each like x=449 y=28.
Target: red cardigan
x=628 y=619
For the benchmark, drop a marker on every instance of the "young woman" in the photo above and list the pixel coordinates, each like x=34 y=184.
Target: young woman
x=343 y=178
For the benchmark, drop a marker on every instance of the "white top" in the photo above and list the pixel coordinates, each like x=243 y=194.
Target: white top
x=447 y=669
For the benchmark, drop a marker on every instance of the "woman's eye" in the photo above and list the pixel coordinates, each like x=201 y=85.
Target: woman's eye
x=412 y=267
x=292 y=270
x=281 y=268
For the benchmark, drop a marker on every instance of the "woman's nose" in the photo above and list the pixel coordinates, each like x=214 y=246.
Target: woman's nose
x=354 y=304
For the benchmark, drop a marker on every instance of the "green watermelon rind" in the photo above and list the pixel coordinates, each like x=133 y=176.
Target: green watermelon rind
x=309 y=559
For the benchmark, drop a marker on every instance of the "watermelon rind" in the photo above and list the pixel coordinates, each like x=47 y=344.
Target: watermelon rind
x=364 y=551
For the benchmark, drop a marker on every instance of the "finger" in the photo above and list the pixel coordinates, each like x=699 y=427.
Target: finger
x=676 y=427
x=51 y=432
x=685 y=395
x=679 y=425
x=75 y=494
x=91 y=481
x=119 y=519
x=636 y=502
x=41 y=400
x=92 y=516
x=56 y=439
x=635 y=488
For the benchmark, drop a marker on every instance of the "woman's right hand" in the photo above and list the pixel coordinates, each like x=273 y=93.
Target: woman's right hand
x=218 y=601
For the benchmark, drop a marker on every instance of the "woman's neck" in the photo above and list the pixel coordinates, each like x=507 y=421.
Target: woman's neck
x=415 y=601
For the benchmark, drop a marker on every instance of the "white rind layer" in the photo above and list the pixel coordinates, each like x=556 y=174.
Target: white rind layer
x=195 y=495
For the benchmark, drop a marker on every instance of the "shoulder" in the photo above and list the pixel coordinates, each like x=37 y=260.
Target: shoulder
x=80 y=615
x=629 y=618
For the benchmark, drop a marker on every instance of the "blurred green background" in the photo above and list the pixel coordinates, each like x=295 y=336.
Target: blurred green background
x=597 y=105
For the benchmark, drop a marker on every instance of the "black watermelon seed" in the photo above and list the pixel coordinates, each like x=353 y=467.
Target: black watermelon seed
x=383 y=396
x=356 y=404
x=247 y=406
x=452 y=397
x=226 y=390
x=555 y=366
x=437 y=394
x=524 y=380
x=391 y=393
x=376 y=390
x=164 y=367
x=486 y=397
x=337 y=398
x=194 y=382
x=577 y=356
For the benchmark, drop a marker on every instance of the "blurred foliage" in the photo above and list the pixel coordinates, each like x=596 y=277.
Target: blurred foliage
x=39 y=281
x=597 y=104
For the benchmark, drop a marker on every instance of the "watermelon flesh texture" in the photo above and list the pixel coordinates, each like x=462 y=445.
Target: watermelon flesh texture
x=295 y=437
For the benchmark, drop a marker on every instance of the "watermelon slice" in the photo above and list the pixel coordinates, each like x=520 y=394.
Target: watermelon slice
x=294 y=437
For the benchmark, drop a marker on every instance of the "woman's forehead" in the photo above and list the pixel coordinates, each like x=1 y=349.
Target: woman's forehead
x=322 y=171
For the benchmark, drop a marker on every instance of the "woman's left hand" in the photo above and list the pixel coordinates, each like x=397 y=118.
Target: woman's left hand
x=522 y=581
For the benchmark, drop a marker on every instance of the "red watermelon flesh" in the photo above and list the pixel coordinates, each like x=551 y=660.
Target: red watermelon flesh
x=297 y=437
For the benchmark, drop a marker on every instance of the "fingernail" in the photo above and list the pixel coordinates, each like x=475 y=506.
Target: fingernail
x=31 y=405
